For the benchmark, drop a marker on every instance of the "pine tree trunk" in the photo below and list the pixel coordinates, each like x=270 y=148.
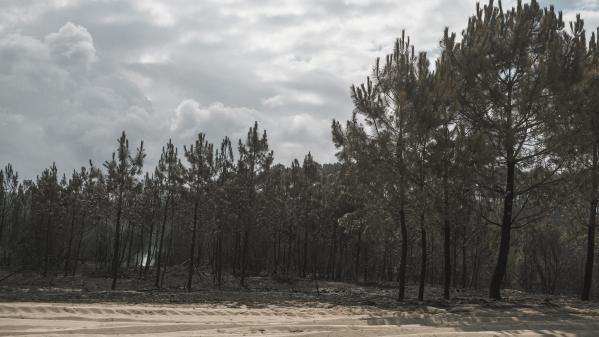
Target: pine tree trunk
x=67 y=259
x=140 y=250
x=244 y=257
x=404 y=253
x=198 y=257
x=78 y=251
x=117 y=240
x=219 y=258
x=423 y=257
x=149 y=254
x=236 y=251
x=3 y=216
x=588 y=272
x=276 y=245
x=446 y=235
x=464 y=270
x=193 y=245
x=169 y=252
x=130 y=244
x=506 y=229
x=161 y=243
x=447 y=258
x=47 y=246
x=332 y=256
x=454 y=265
x=358 y=246
x=305 y=257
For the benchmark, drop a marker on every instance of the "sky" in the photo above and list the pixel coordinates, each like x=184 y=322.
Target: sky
x=75 y=73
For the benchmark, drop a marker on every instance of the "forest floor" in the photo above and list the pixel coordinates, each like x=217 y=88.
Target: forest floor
x=34 y=306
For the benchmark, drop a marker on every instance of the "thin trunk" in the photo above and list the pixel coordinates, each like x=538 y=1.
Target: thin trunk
x=236 y=251
x=447 y=258
x=358 y=246
x=149 y=254
x=404 y=253
x=130 y=244
x=508 y=201
x=332 y=254
x=454 y=265
x=139 y=254
x=193 y=245
x=67 y=259
x=305 y=257
x=169 y=252
x=117 y=240
x=244 y=257
x=423 y=254
x=78 y=251
x=446 y=228
x=47 y=247
x=159 y=253
x=276 y=243
x=402 y=214
x=506 y=229
x=198 y=261
x=3 y=213
x=219 y=258
x=588 y=272
x=464 y=266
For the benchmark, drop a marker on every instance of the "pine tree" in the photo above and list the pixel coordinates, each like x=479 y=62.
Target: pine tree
x=224 y=166
x=254 y=163
x=393 y=104
x=169 y=176
x=505 y=94
x=200 y=157
x=122 y=169
x=582 y=138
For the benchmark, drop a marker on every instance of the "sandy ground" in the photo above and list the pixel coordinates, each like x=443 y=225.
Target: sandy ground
x=81 y=306
x=55 y=319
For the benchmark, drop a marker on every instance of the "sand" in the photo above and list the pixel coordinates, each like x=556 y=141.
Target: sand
x=90 y=319
x=34 y=306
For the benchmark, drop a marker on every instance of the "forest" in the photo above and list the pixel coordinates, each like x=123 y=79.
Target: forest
x=476 y=169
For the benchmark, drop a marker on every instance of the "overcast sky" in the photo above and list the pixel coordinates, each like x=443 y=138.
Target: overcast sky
x=74 y=73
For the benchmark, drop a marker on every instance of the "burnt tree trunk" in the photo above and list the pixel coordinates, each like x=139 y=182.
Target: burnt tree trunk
x=78 y=251
x=47 y=246
x=423 y=258
x=192 y=247
x=358 y=247
x=506 y=230
x=161 y=244
x=404 y=253
x=67 y=259
x=117 y=240
x=588 y=272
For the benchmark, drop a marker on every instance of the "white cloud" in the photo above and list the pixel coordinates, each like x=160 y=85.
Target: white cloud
x=293 y=97
x=72 y=46
x=215 y=119
x=274 y=101
x=159 y=12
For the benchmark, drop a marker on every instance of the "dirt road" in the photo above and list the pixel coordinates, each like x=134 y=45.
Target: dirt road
x=44 y=319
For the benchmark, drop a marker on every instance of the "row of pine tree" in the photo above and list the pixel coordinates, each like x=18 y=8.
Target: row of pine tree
x=481 y=170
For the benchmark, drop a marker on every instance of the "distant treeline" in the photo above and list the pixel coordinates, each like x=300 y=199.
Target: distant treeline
x=479 y=171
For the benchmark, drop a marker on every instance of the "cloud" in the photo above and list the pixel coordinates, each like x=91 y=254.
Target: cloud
x=72 y=46
x=58 y=105
x=74 y=73
x=290 y=136
x=216 y=120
